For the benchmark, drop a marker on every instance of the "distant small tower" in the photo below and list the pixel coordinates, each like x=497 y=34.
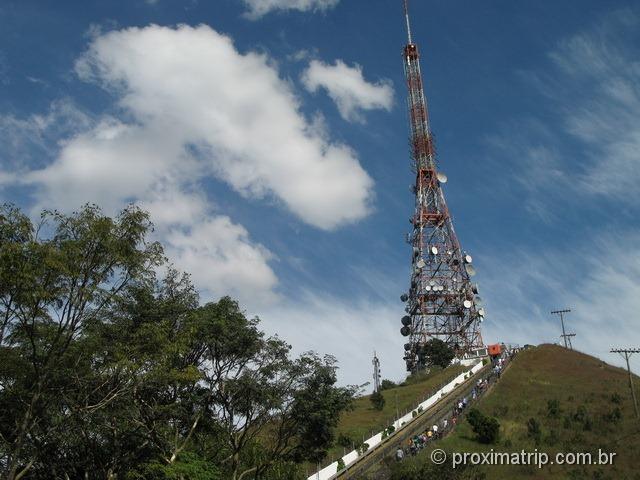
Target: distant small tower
x=376 y=372
x=441 y=302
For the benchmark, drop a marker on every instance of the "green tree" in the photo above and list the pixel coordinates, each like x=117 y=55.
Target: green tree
x=107 y=372
x=387 y=384
x=437 y=352
x=377 y=400
x=487 y=429
x=56 y=278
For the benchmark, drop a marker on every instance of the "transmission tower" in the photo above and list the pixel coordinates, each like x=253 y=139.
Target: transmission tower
x=442 y=302
x=376 y=372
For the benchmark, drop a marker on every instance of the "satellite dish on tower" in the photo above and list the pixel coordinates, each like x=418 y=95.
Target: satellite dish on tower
x=470 y=270
x=434 y=250
x=468 y=259
x=420 y=263
x=442 y=178
x=467 y=303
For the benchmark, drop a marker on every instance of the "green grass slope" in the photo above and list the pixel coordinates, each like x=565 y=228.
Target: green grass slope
x=579 y=403
x=363 y=420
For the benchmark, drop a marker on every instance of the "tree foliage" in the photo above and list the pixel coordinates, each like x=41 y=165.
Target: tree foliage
x=387 y=384
x=437 y=352
x=377 y=400
x=109 y=372
x=487 y=429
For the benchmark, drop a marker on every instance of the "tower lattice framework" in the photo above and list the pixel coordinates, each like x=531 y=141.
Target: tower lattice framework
x=442 y=301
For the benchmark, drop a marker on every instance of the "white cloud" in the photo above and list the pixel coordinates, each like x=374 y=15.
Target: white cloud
x=190 y=107
x=200 y=107
x=259 y=8
x=348 y=89
x=219 y=254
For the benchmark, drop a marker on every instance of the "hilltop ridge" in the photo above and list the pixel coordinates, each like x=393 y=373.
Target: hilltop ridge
x=553 y=400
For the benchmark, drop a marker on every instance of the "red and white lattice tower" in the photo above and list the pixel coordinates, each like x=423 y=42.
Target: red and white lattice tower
x=442 y=302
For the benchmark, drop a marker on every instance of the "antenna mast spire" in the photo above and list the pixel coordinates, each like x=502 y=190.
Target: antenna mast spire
x=406 y=16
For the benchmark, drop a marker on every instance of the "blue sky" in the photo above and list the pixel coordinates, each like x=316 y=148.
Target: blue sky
x=268 y=138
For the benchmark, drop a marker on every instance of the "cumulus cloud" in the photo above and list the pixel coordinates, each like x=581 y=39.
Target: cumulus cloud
x=190 y=107
x=203 y=108
x=348 y=89
x=259 y=8
x=233 y=264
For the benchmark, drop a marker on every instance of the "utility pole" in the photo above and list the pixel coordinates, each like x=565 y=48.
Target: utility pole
x=626 y=354
x=564 y=334
x=568 y=337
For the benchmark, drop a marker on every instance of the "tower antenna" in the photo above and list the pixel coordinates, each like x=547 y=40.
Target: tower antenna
x=406 y=16
x=376 y=372
x=441 y=303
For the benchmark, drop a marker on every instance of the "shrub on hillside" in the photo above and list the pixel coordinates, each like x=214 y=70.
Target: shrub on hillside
x=614 y=416
x=616 y=398
x=344 y=440
x=362 y=448
x=553 y=408
x=377 y=400
x=533 y=430
x=387 y=384
x=487 y=429
x=341 y=465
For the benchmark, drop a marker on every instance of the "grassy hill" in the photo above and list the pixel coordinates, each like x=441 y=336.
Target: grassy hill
x=364 y=420
x=577 y=402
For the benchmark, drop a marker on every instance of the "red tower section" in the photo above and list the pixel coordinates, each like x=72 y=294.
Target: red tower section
x=442 y=302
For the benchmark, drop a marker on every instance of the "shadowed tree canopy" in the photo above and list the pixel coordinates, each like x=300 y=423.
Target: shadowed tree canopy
x=107 y=371
x=437 y=353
